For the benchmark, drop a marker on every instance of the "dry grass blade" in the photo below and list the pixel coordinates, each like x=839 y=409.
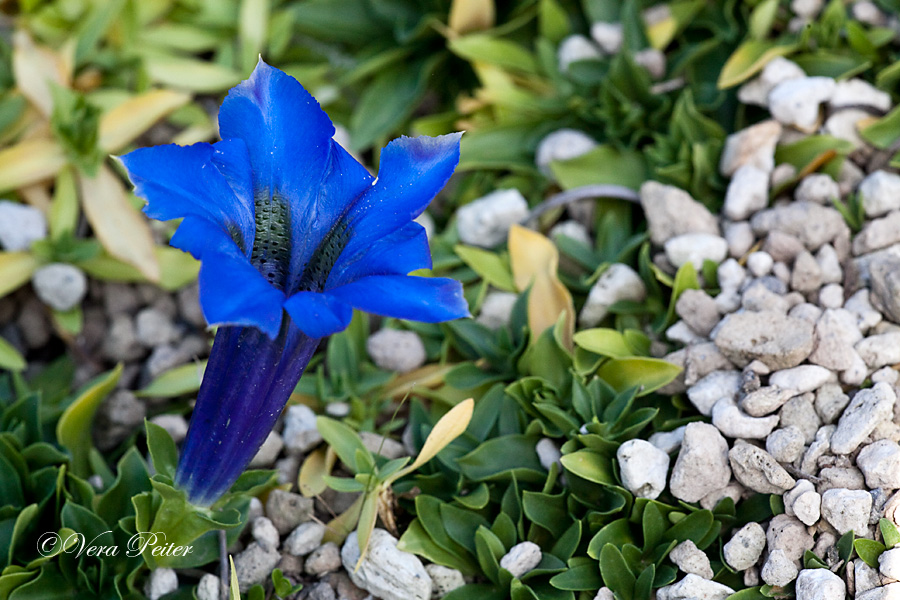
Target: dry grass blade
x=30 y=162
x=127 y=121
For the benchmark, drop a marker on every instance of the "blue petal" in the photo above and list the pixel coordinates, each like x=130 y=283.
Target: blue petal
x=399 y=253
x=318 y=315
x=232 y=291
x=183 y=181
x=293 y=156
x=427 y=299
x=413 y=171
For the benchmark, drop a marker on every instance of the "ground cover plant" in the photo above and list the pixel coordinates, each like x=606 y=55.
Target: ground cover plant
x=673 y=225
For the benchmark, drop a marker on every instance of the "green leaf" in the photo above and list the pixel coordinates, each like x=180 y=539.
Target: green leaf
x=845 y=546
x=485 y=48
x=693 y=527
x=502 y=457
x=16 y=269
x=74 y=427
x=646 y=374
x=761 y=19
x=617 y=533
x=602 y=165
x=489 y=266
x=615 y=572
x=590 y=465
x=178 y=381
x=162 y=449
x=605 y=342
x=343 y=440
x=889 y=533
x=553 y=20
x=10 y=358
x=188 y=73
x=584 y=577
x=868 y=551
x=801 y=154
x=749 y=59
x=884 y=132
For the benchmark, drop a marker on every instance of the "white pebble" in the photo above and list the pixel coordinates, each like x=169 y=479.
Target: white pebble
x=748 y=192
x=643 y=468
x=486 y=221
x=609 y=36
x=562 y=144
x=696 y=248
x=521 y=558
x=796 y=101
x=20 y=226
x=576 y=48
x=496 y=309
x=396 y=350
x=618 y=282
x=60 y=286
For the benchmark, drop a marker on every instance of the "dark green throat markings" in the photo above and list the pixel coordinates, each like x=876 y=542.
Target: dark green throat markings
x=271 y=253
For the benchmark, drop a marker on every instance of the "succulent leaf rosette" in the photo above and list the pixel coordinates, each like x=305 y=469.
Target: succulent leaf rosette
x=292 y=234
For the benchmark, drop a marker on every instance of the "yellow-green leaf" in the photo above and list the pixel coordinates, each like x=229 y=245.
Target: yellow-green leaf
x=74 y=427
x=603 y=341
x=64 y=212
x=36 y=68
x=119 y=227
x=489 y=266
x=189 y=74
x=16 y=269
x=234 y=588
x=340 y=527
x=10 y=358
x=29 y=162
x=318 y=464
x=534 y=260
x=488 y=49
x=252 y=24
x=447 y=429
x=177 y=268
x=367 y=515
x=749 y=58
x=647 y=374
x=178 y=381
x=121 y=125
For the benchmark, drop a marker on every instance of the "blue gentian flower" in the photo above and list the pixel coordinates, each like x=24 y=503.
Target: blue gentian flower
x=292 y=234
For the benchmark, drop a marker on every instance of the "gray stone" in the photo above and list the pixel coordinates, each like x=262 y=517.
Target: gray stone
x=618 y=282
x=386 y=572
x=786 y=444
x=756 y=469
x=878 y=234
x=162 y=581
x=562 y=144
x=154 y=328
x=880 y=350
x=799 y=412
x=889 y=563
x=444 y=580
x=698 y=310
x=385 y=446
x=609 y=36
x=496 y=309
x=864 y=577
x=573 y=230
x=324 y=559
x=779 y=570
x=254 y=564
x=694 y=587
x=671 y=212
x=867 y=409
x=691 y=559
x=300 y=434
x=486 y=221
x=885 y=283
x=549 y=454
x=287 y=510
x=880 y=463
x=702 y=463
x=819 y=584
x=847 y=510
x=729 y=419
x=745 y=547
x=208 y=588
x=747 y=193
x=760 y=263
x=812 y=224
x=268 y=452
x=796 y=101
x=576 y=48
x=643 y=468
x=521 y=558
x=765 y=400
x=836 y=334
x=754 y=146
x=265 y=534
x=713 y=387
x=653 y=60
x=20 y=226
x=778 y=341
x=756 y=91
x=758 y=298
x=819 y=188
x=321 y=591
x=802 y=379
x=789 y=535
x=175 y=425
x=117 y=418
x=121 y=340
x=806 y=276
x=304 y=539
x=819 y=446
x=879 y=193
x=668 y=441
x=60 y=286
x=696 y=248
x=396 y=350
x=858 y=92
x=829 y=264
x=782 y=247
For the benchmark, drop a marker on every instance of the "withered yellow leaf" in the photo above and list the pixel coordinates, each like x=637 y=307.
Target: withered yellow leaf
x=131 y=118
x=36 y=68
x=534 y=260
x=447 y=429
x=29 y=162
x=119 y=227
x=471 y=15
